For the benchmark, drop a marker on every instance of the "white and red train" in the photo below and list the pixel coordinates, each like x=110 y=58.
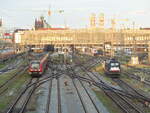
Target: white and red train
x=37 y=67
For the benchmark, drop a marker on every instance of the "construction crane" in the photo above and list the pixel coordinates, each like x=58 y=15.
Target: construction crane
x=42 y=22
x=48 y=12
x=101 y=21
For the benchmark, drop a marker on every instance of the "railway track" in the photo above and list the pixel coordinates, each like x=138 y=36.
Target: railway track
x=33 y=85
x=9 y=67
x=82 y=84
x=25 y=93
x=78 y=92
x=146 y=81
x=59 y=96
x=139 y=69
x=123 y=102
x=129 y=89
x=91 y=62
x=4 y=86
x=79 y=95
x=133 y=76
x=54 y=78
x=49 y=97
x=28 y=97
x=2 y=60
x=20 y=103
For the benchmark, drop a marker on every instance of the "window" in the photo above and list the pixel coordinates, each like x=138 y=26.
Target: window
x=114 y=64
x=117 y=64
x=35 y=65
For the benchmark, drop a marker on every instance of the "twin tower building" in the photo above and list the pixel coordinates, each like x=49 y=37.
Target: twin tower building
x=100 y=21
x=97 y=23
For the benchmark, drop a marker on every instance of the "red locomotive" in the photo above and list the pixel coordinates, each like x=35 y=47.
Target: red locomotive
x=37 y=67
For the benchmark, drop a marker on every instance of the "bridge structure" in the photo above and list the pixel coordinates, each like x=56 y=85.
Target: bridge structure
x=96 y=38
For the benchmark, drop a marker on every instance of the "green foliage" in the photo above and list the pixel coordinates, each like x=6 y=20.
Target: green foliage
x=13 y=88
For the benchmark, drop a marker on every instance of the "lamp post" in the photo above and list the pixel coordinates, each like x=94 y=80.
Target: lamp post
x=134 y=58
x=149 y=51
x=134 y=40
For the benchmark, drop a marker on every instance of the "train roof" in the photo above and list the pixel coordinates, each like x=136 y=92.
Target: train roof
x=34 y=61
x=112 y=60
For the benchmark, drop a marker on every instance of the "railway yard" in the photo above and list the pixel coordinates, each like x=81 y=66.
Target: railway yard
x=76 y=84
x=85 y=56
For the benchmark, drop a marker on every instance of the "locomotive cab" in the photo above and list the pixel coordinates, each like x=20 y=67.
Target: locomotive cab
x=112 y=68
x=34 y=67
x=38 y=66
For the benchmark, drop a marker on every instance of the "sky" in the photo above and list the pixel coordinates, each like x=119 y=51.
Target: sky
x=22 y=13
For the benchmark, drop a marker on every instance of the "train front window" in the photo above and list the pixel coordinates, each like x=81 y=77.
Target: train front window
x=117 y=64
x=35 y=65
x=114 y=64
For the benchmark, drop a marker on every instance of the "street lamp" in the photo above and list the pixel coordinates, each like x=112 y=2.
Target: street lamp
x=134 y=58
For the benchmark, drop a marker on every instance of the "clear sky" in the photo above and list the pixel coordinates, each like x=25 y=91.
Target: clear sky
x=21 y=13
